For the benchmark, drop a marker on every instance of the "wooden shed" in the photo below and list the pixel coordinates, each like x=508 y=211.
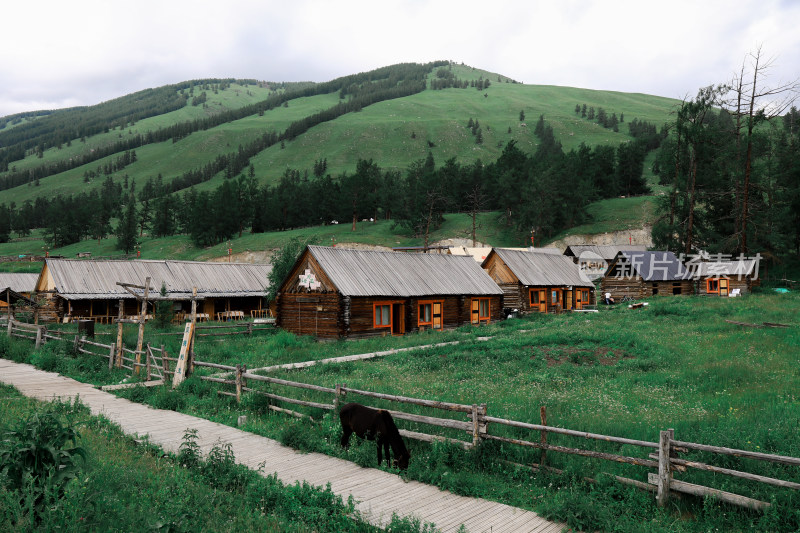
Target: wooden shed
x=721 y=278
x=594 y=258
x=335 y=293
x=88 y=288
x=539 y=282
x=22 y=283
x=644 y=274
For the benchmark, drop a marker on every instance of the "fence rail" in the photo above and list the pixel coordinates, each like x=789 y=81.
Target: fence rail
x=662 y=456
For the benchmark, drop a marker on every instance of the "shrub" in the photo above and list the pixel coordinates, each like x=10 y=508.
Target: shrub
x=189 y=452
x=220 y=469
x=38 y=458
x=168 y=399
x=299 y=435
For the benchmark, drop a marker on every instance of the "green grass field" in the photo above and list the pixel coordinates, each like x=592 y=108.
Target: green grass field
x=628 y=373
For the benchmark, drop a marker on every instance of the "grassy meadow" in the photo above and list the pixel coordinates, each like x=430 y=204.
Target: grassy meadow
x=122 y=486
x=629 y=373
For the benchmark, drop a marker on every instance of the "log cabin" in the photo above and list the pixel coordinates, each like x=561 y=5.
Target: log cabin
x=22 y=283
x=535 y=282
x=334 y=293
x=724 y=278
x=594 y=259
x=639 y=275
x=72 y=288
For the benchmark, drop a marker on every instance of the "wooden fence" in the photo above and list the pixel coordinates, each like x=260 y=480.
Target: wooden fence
x=661 y=457
x=241 y=328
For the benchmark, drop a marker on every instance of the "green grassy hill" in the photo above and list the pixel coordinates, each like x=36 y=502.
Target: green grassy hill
x=394 y=132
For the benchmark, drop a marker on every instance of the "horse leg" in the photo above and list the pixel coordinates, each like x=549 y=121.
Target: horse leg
x=346 y=432
x=386 y=452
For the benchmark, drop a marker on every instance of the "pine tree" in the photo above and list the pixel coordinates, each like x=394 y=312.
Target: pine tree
x=126 y=228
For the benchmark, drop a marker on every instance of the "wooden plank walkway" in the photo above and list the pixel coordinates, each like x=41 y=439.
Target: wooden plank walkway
x=378 y=493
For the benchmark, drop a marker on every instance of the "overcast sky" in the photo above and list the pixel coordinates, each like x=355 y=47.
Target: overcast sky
x=57 y=53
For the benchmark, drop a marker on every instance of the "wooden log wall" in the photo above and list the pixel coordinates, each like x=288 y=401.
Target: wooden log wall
x=622 y=287
x=310 y=313
x=515 y=296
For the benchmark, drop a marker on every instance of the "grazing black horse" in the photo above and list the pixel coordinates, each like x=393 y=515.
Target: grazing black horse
x=374 y=424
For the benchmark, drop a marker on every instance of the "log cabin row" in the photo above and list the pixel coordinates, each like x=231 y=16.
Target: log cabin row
x=334 y=293
x=71 y=288
x=725 y=278
x=535 y=282
x=639 y=275
x=594 y=259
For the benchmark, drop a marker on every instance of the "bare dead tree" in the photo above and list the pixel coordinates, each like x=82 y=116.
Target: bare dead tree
x=751 y=103
x=476 y=199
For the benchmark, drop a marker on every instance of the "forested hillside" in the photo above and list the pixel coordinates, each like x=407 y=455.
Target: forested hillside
x=213 y=159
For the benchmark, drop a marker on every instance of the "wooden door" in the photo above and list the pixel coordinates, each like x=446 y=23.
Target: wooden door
x=581 y=298
x=398 y=319
x=437 y=315
x=475 y=312
x=723 y=287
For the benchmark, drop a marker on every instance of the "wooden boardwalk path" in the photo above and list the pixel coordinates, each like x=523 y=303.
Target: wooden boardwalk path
x=378 y=493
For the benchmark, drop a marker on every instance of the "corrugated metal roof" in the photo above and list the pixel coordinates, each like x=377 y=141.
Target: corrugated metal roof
x=741 y=268
x=538 y=269
x=19 y=282
x=605 y=251
x=372 y=273
x=86 y=279
x=652 y=266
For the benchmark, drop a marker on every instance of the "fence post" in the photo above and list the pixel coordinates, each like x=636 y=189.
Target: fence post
x=164 y=365
x=664 y=466
x=10 y=322
x=76 y=343
x=147 y=356
x=484 y=425
x=543 y=434
x=38 y=338
x=250 y=328
x=238 y=383
x=336 y=398
x=111 y=353
x=120 y=315
x=475 y=428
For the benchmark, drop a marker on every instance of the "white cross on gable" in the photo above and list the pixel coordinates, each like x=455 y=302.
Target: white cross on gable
x=309 y=281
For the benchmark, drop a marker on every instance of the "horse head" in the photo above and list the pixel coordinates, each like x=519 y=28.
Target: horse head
x=401 y=462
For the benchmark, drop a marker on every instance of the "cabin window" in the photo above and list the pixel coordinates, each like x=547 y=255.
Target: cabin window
x=480 y=310
x=554 y=297
x=676 y=288
x=712 y=285
x=655 y=289
x=430 y=314
x=534 y=297
x=383 y=315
